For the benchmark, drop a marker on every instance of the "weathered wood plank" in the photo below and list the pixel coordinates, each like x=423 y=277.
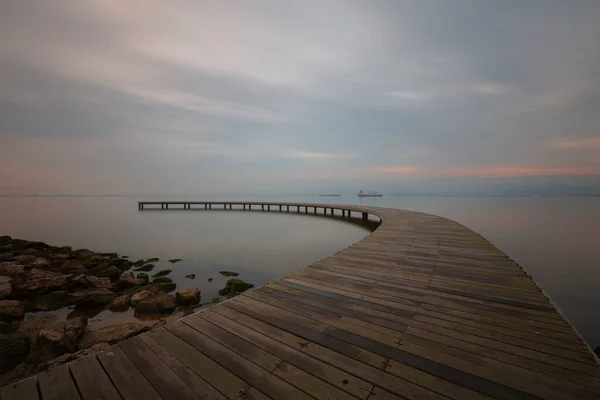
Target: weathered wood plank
x=57 y=384
x=22 y=390
x=91 y=380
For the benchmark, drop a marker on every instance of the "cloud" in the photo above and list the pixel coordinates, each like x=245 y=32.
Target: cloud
x=580 y=143
x=316 y=155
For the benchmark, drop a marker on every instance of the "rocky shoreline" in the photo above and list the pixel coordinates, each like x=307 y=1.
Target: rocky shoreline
x=37 y=277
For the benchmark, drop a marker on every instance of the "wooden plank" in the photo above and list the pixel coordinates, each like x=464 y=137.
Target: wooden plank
x=57 y=384
x=129 y=382
x=194 y=368
x=91 y=380
x=22 y=390
x=264 y=381
x=166 y=383
x=334 y=376
x=252 y=394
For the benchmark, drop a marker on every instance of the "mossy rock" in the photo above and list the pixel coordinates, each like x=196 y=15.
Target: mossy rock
x=191 y=276
x=62 y=249
x=164 y=286
x=174 y=260
x=143 y=276
x=162 y=279
x=229 y=273
x=4 y=240
x=154 y=259
x=239 y=285
x=147 y=267
x=162 y=273
x=139 y=262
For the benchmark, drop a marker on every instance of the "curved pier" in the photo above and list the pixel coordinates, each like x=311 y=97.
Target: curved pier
x=422 y=308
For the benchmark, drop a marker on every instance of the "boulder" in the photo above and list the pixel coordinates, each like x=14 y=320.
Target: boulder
x=111 y=334
x=30 y=327
x=42 y=263
x=143 y=276
x=147 y=267
x=57 y=340
x=13 y=350
x=39 y=281
x=119 y=303
x=162 y=273
x=93 y=296
x=6 y=256
x=25 y=259
x=11 y=269
x=11 y=310
x=103 y=270
x=163 y=286
x=5 y=239
x=74 y=267
x=53 y=301
x=187 y=297
x=95 y=282
x=128 y=281
x=160 y=304
x=139 y=296
x=5 y=286
x=162 y=279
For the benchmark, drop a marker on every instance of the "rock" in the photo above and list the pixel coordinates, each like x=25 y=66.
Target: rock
x=106 y=271
x=191 y=276
x=6 y=256
x=160 y=304
x=26 y=259
x=119 y=303
x=174 y=260
x=57 y=340
x=143 y=276
x=164 y=286
x=215 y=300
x=4 y=240
x=122 y=264
x=187 y=297
x=7 y=328
x=128 y=281
x=152 y=260
x=13 y=350
x=235 y=285
x=147 y=267
x=11 y=310
x=229 y=273
x=95 y=282
x=162 y=273
x=82 y=254
x=210 y=279
x=111 y=334
x=139 y=296
x=11 y=269
x=53 y=301
x=93 y=296
x=62 y=249
x=30 y=327
x=42 y=263
x=139 y=263
x=162 y=279
x=5 y=286
x=97 y=348
x=39 y=281
x=74 y=267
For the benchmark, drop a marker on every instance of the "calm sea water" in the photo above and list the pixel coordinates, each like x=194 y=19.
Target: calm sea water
x=556 y=239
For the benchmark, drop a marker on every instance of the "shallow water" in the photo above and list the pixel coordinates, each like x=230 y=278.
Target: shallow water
x=556 y=239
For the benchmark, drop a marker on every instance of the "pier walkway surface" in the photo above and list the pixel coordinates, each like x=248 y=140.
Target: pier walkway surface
x=422 y=308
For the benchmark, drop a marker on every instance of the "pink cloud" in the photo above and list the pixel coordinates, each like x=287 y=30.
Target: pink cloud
x=583 y=143
x=510 y=171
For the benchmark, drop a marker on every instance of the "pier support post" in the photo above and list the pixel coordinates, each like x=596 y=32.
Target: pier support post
x=365 y=216
x=210 y=206
x=324 y=211
x=343 y=213
x=167 y=206
x=288 y=208
x=280 y=208
x=262 y=207
x=249 y=207
x=224 y=206
x=298 y=209
x=349 y=214
x=332 y=211
x=269 y=207
x=315 y=210
x=230 y=205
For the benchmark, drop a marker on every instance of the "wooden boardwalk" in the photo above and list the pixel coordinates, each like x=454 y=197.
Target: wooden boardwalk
x=423 y=308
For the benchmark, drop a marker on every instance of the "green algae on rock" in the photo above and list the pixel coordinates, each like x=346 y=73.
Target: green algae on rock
x=229 y=273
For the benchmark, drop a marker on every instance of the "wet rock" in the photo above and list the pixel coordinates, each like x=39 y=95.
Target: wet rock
x=13 y=350
x=5 y=286
x=73 y=267
x=11 y=310
x=96 y=282
x=187 y=297
x=162 y=279
x=41 y=263
x=229 y=273
x=82 y=254
x=136 y=298
x=93 y=296
x=152 y=260
x=103 y=270
x=162 y=273
x=119 y=303
x=128 y=281
x=174 y=260
x=144 y=277
x=164 y=286
x=111 y=334
x=122 y=264
x=38 y=281
x=62 y=249
x=160 y=304
x=191 y=276
x=31 y=326
x=11 y=269
x=210 y=279
x=215 y=300
x=139 y=263
x=6 y=256
x=53 y=301
x=57 y=340
x=235 y=286
x=147 y=267
x=4 y=240
x=25 y=259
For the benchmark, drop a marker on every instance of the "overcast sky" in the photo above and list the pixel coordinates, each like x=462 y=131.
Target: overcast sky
x=192 y=96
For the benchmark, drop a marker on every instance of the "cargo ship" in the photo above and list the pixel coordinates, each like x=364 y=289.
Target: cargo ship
x=362 y=193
